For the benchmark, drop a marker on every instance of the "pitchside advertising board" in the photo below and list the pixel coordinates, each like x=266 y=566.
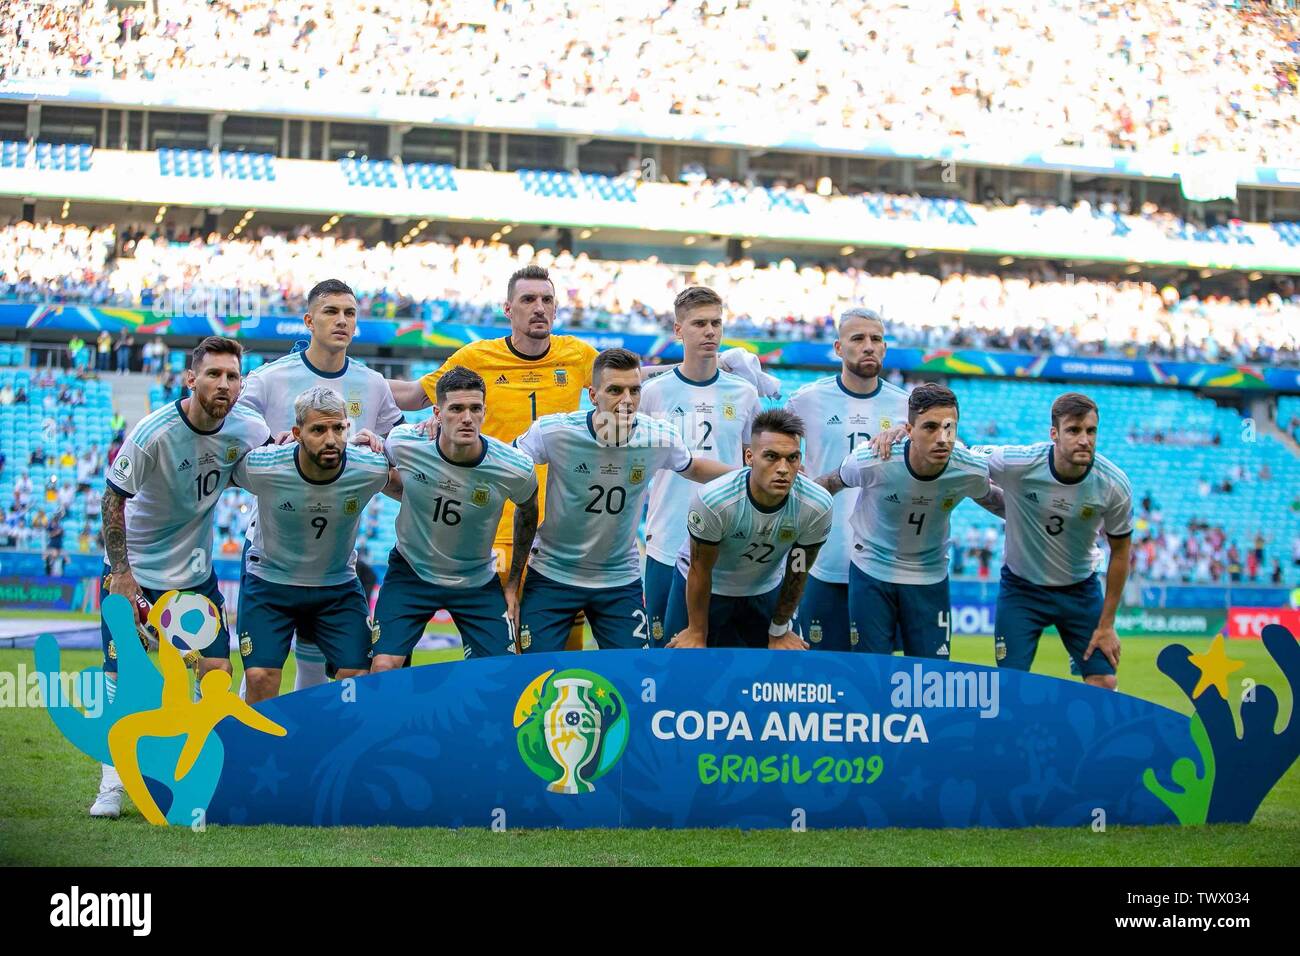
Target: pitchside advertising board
x=1249 y=622
x=681 y=739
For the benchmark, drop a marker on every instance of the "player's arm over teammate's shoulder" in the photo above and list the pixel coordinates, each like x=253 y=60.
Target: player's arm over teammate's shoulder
x=855 y=470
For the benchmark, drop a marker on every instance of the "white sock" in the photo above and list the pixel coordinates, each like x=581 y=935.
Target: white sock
x=108 y=777
x=110 y=686
x=310 y=666
x=243 y=687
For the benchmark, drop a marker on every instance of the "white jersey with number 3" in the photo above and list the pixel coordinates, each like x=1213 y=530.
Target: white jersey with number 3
x=836 y=421
x=1052 y=522
x=172 y=475
x=714 y=417
x=900 y=523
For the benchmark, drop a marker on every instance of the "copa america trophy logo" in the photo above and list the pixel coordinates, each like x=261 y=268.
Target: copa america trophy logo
x=572 y=729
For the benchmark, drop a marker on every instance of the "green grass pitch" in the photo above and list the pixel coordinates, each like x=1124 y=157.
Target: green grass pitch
x=46 y=787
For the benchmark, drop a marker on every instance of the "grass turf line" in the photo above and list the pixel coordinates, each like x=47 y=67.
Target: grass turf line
x=46 y=787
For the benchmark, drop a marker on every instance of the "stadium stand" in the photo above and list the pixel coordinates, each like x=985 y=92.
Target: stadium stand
x=1167 y=76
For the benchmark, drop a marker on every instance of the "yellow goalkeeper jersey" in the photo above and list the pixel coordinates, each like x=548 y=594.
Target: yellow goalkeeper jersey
x=521 y=389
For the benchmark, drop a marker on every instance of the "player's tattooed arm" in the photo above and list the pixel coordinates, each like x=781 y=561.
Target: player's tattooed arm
x=525 y=530
x=797 y=565
x=121 y=580
x=409 y=396
x=994 y=502
x=699 y=588
x=832 y=482
x=651 y=371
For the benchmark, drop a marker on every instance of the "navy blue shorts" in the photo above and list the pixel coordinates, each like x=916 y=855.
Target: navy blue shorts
x=880 y=609
x=407 y=601
x=733 y=621
x=1025 y=609
x=824 y=614
x=658 y=585
x=220 y=646
x=547 y=609
x=334 y=617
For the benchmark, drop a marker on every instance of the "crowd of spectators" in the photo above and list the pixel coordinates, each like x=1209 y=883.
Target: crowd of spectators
x=1176 y=76
x=1025 y=308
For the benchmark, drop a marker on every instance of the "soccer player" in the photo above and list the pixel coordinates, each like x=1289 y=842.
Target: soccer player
x=271 y=390
x=714 y=411
x=300 y=568
x=1058 y=496
x=530 y=373
x=841 y=412
x=899 y=570
x=585 y=557
x=157 y=506
x=754 y=534
x=454 y=487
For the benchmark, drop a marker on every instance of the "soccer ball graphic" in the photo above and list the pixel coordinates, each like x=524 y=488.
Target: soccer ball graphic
x=188 y=620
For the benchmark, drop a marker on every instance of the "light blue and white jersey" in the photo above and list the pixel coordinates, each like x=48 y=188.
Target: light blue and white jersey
x=450 y=511
x=1052 y=522
x=594 y=494
x=753 y=540
x=172 y=475
x=900 y=522
x=271 y=389
x=306 y=533
x=715 y=418
x=836 y=421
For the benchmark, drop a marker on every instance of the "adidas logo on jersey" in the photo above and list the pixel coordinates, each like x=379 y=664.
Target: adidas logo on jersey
x=1032 y=496
x=739 y=535
x=420 y=477
x=895 y=499
x=582 y=469
x=834 y=420
x=185 y=465
x=502 y=380
x=286 y=506
x=678 y=412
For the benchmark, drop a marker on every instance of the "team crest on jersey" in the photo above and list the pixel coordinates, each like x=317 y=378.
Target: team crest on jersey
x=526 y=638
x=853 y=635
x=354 y=408
x=231 y=454
x=657 y=630
x=1087 y=512
x=815 y=633
x=245 y=644
x=886 y=424
x=480 y=495
x=561 y=376
x=728 y=411
x=785 y=534
x=1000 y=649
x=112 y=650
x=637 y=474
x=351 y=505
x=374 y=632
x=949 y=503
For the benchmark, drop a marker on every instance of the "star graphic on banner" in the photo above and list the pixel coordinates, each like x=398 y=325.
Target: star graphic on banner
x=1215 y=665
x=268 y=775
x=914 y=784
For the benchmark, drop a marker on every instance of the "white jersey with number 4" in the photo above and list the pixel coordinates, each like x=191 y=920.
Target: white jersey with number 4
x=714 y=417
x=1052 y=522
x=836 y=421
x=172 y=475
x=900 y=522
x=594 y=494
x=753 y=541
x=306 y=534
x=450 y=511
